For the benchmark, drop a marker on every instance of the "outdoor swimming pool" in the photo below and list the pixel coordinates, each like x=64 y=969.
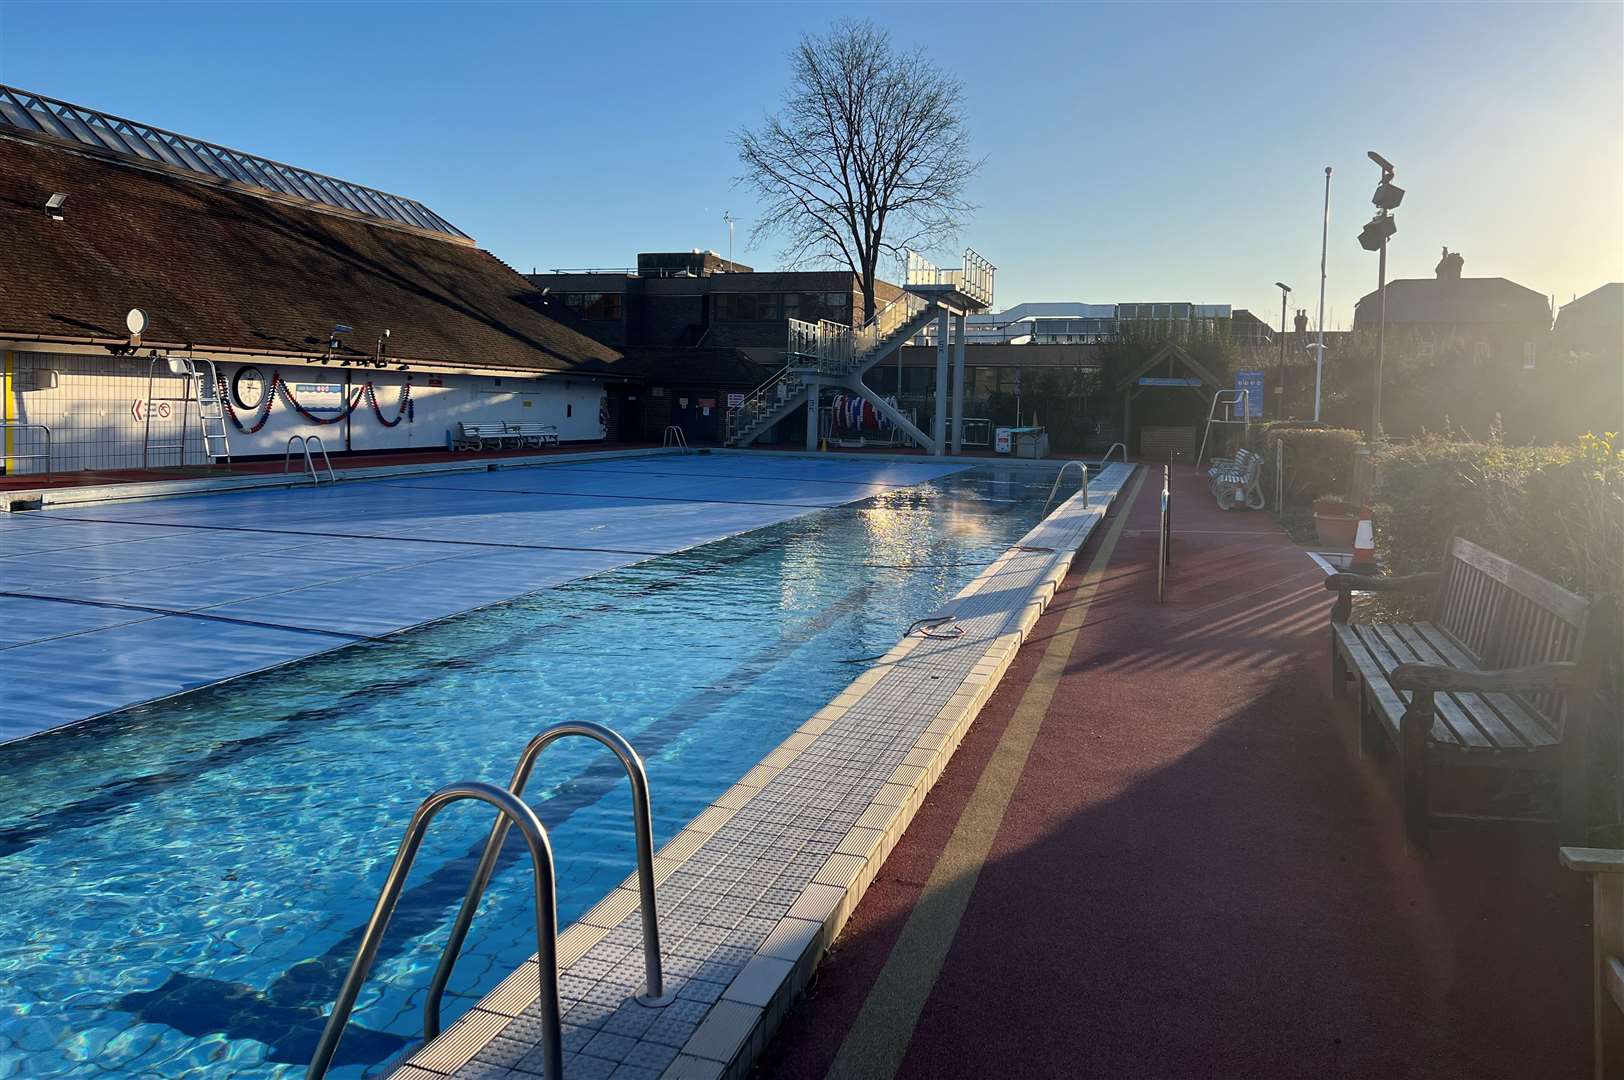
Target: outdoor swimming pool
x=186 y=881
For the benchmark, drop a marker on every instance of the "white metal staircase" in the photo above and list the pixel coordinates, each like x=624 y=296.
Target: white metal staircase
x=838 y=355
x=830 y=351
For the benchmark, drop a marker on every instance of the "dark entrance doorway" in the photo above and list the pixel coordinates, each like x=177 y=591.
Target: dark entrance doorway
x=626 y=413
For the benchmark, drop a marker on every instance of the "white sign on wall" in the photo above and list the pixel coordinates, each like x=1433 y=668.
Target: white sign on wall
x=320 y=398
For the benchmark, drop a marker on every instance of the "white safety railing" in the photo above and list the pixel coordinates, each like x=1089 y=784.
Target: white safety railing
x=8 y=426
x=974 y=279
x=762 y=402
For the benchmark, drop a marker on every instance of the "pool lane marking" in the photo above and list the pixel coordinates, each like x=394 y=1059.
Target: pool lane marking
x=878 y=1039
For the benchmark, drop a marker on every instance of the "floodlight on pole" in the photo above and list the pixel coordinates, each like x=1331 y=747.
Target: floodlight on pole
x=1374 y=237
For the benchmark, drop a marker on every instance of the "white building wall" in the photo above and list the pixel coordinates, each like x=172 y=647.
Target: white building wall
x=93 y=409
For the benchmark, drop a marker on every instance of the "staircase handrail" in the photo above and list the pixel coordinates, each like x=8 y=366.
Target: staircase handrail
x=974 y=279
x=758 y=401
x=878 y=331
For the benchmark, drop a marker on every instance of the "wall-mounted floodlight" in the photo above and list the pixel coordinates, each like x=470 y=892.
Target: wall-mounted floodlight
x=53 y=205
x=1386 y=166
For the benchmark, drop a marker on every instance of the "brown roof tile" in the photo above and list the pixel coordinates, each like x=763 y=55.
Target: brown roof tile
x=215 y=266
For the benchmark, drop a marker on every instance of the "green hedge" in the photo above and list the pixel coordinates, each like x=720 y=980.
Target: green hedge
x=1433 y=487
x=1318 y=459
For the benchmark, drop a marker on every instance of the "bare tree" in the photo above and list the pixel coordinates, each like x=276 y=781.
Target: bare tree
x=865 y=158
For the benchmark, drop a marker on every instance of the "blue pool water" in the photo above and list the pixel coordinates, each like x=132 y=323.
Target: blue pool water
x=184 y=883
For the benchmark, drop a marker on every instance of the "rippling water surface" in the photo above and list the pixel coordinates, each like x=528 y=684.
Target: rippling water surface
x=184 y=884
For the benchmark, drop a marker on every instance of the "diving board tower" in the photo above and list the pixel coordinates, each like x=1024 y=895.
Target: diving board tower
x=829 y=355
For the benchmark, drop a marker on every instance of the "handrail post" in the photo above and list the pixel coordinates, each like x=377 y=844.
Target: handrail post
x=1061 y=475
x=654 y=990
x=511 y=810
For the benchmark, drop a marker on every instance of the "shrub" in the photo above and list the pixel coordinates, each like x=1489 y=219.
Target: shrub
x=1318 y=459
x=1433 y=487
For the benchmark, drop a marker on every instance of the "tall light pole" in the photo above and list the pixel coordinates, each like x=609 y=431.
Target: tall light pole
x=1285 y=290
x=1374 y=237
x=1319 y=343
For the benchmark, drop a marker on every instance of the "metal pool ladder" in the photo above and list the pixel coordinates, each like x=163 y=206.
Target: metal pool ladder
x=1106 y=460
x=1059 y=476
x=511 y=811
x=305 y=443
x=674 y=437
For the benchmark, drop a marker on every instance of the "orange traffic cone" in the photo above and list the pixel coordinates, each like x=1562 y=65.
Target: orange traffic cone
x=1364 y=542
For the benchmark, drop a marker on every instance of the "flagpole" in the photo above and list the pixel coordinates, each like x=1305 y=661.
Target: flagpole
x=1319 y=345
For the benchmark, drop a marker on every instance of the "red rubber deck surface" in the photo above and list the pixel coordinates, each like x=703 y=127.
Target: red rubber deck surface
x=1197 y=876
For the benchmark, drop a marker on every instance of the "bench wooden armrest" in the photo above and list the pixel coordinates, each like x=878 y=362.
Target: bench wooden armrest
x=1526 y=680
x=1344 y=581
x=1592 y=860
x=1345 y=584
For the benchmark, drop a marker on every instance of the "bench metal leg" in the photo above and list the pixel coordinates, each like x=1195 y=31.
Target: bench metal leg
x=1413 y=731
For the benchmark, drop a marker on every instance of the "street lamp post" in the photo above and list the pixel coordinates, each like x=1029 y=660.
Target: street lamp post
x=1374 y=237
x=1285 y=290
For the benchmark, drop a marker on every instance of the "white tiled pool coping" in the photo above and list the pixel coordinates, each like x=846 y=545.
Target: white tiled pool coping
x=755 y=888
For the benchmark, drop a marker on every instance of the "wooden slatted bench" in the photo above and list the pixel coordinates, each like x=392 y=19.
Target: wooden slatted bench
x=1505 y=674
x=1606 y=869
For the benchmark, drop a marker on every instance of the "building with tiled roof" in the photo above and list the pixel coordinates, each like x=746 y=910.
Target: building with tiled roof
x=251 y=266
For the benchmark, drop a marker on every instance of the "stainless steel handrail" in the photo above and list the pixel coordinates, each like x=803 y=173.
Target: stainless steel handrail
x=1165 y=555
x=24 y=425
x=304 y=442
x=1228 y=399
x=1060 y=476
x=512 y=810
x=1116 y=446
x=654 y=978
x=674 y=437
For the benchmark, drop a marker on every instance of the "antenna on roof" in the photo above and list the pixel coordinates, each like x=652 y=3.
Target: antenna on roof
x=727 y=216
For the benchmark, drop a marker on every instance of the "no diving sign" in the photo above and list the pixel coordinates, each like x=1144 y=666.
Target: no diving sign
x=139 y=407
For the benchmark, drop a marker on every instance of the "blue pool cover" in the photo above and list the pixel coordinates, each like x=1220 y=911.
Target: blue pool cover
x=108 y=606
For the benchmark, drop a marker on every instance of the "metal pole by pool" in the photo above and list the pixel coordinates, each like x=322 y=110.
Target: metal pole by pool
x=1381 y=347
x=1319 y=345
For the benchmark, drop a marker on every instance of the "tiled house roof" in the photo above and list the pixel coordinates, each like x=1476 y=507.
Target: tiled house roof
x=217 y=266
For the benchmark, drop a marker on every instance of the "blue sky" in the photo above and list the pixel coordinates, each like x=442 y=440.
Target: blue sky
x=1161 y=152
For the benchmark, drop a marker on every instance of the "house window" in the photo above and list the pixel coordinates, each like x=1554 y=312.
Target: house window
x=1426 y=349
x=1480 y=351
x=1530 y=357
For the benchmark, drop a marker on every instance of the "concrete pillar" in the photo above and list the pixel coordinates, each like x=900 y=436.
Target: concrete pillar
x=938 y=424
x=958 y=384
x=813 y=393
